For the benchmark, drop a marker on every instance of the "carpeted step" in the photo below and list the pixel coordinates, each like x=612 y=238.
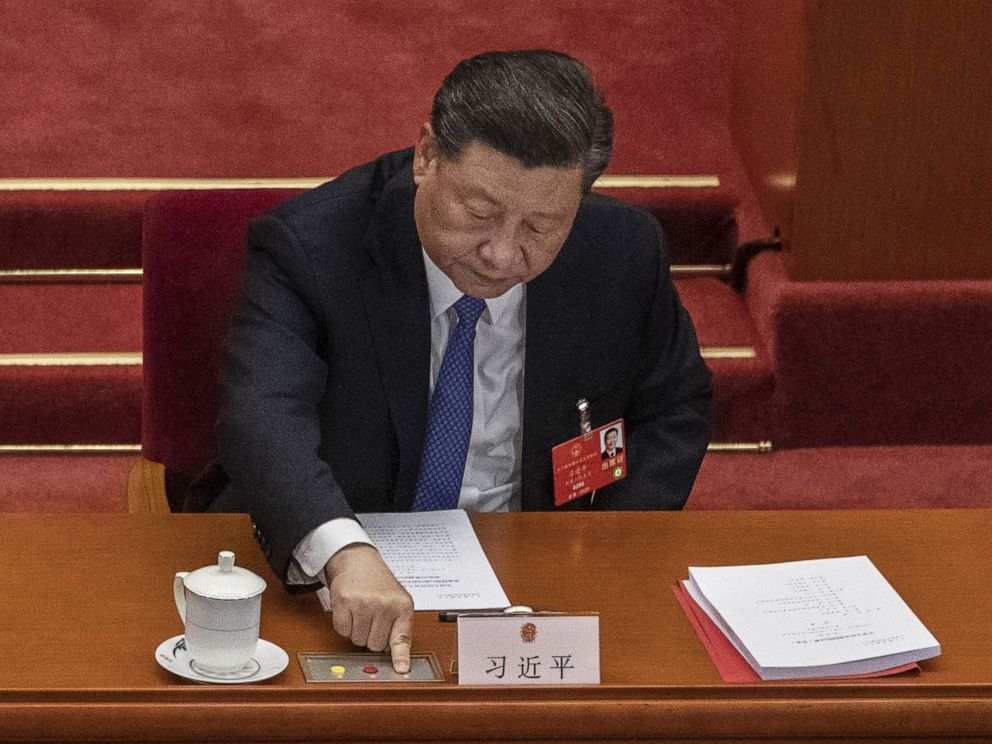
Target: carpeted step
x=743 y=378
x=700 y=223
x=719 y=314
x=70 y=229
x=906 y=477
x=101 y=402
x=741 y=409
x=70 y=363
x=84 y=229
x=70 y=318
x=93 y=404
x=64 y=482
x=875 y=363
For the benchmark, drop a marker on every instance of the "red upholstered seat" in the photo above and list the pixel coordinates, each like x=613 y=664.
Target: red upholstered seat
x=193 y=255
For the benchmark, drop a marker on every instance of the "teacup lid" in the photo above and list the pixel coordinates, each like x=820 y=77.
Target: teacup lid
x=225 y=580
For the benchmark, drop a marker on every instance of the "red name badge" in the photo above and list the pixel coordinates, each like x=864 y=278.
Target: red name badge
x=589 y=461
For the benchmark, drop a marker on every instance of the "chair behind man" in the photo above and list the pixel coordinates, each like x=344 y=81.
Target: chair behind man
x=193 y=258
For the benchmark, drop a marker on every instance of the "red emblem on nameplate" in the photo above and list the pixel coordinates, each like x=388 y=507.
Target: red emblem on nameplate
x=589 y=461
x=528 y=632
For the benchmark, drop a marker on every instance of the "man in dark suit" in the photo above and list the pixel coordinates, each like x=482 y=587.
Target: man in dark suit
x=336 y=399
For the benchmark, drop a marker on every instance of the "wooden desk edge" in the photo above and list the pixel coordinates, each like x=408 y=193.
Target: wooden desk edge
x=658 y=720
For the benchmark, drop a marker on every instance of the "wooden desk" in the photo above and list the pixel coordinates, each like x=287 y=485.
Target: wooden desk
x=87 y=598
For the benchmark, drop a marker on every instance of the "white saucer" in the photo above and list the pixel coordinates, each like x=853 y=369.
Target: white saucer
x=268 y=661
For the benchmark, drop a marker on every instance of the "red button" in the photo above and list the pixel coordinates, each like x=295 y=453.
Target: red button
x=371 y=669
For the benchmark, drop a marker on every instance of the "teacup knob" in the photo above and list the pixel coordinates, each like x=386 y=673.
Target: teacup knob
x=226 y=560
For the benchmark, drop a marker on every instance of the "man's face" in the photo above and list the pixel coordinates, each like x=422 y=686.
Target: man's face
x=611 y=440
x=488 y=221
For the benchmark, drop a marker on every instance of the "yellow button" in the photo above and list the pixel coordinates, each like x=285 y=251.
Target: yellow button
x=336 y=669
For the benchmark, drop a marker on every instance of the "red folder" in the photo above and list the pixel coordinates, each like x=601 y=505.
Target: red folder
x=732 y=666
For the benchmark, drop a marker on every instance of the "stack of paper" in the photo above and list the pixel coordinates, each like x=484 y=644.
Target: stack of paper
x=805 y=619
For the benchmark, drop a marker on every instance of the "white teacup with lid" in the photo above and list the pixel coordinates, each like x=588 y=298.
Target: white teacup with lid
x=221 y=607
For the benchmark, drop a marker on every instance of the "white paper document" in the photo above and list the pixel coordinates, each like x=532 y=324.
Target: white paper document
x=437 y=557
x=812 y=618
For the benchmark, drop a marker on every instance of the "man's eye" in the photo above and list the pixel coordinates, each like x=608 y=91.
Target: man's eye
x=477 y=216
x=534 y=229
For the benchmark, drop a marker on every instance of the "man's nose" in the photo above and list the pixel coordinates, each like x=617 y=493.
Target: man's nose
x=502 y=248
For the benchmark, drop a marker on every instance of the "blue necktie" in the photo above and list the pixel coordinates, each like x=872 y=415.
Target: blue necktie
x=449 y=425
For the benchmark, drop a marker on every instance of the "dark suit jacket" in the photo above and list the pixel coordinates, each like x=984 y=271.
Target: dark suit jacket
x=606 y=455
x=325 y=375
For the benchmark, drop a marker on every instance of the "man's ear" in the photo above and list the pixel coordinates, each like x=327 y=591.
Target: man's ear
x=425 y=153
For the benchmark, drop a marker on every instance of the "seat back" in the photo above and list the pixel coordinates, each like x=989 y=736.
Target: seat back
x=193 y=248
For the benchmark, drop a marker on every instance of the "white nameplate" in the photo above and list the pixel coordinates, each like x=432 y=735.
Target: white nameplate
x=528 y=650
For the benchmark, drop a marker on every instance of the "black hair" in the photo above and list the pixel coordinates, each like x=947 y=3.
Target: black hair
x=536 y=105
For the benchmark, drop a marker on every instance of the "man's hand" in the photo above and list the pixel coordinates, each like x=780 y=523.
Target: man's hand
x=368 y=604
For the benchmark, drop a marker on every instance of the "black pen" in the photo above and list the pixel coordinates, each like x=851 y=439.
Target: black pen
x=450 y=616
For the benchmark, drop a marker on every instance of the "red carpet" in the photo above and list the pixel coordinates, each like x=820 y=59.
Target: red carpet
x=875 y=363
x=69 y=318
x=70 y=229
x=110 y=88
x=70 y=405
x=846 y=478
x=227 y=88
x=741 y=409
x=742 y=388
x=64 y=483
x=718 y=312
x=700 y=225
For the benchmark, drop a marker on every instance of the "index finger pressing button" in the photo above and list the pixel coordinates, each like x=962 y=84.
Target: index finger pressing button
x=399 y=643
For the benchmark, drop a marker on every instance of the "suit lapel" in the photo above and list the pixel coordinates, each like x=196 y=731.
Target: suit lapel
x=397 y=307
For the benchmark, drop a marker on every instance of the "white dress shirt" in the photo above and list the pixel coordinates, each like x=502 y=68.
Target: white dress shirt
x=492 y=468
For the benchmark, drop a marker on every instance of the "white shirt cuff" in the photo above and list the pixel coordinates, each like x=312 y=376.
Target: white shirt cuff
x=315 y=550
